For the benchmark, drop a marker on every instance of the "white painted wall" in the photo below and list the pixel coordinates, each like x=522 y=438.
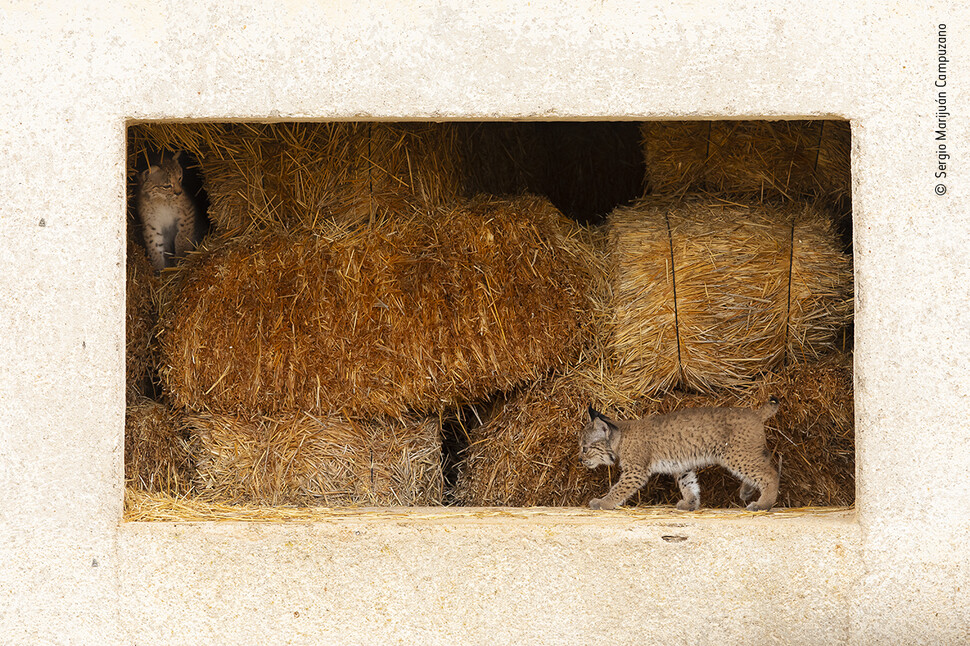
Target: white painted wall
x=72 y=573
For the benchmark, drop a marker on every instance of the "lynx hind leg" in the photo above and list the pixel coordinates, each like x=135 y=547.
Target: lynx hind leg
x=690 y=491
x=629 y=483
x=757 y=473
x=747 y=491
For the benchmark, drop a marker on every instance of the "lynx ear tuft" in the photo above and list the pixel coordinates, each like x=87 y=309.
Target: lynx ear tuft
x=602 y=429
x=592 y=412
x=773 y=400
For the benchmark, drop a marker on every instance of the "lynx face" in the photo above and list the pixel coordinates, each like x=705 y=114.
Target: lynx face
x=594 y=447
x=162 y=180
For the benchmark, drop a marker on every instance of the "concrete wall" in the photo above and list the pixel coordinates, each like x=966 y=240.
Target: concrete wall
x=72 y=573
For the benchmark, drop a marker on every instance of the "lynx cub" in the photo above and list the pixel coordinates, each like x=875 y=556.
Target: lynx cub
x=678 y=443
x=167 y=214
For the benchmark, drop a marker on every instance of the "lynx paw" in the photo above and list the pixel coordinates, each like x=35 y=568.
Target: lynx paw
x=600 y=503
x=683 y=505
x=747 y=492
x=756 y=507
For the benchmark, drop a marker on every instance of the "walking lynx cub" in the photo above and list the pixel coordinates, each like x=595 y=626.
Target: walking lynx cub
x=168 y=215
x=678 y=443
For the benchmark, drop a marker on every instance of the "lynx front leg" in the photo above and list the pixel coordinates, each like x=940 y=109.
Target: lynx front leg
x=183 y=239
x=155 y=246
x=629 y=483
x=690 y=490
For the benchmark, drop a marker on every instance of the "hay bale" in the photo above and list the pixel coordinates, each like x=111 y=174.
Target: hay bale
x=749 y=159
x=527 y=452
x=300 y=459
x=709 y=295
x=141 y=288
x=449 y=305
x=300 y=174
x=157 y=455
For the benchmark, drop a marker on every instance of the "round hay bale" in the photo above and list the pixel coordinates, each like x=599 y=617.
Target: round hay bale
x=157 y=455
x=141 y=288
x=299 y=459
x=527 y=452
x=449 y=305
x=749 y=159
x=708 y=295
x=301 y=175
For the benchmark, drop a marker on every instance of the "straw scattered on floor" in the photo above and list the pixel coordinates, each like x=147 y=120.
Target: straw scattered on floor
x=147 y=507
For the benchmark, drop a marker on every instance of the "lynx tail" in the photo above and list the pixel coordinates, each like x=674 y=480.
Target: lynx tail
x=769 y=409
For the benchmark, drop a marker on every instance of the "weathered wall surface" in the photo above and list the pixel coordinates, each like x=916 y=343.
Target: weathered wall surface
x=73 y=574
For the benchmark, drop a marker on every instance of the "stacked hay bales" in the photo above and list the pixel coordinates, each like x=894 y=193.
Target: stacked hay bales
x=303 y=175
x=299 y=459
x=445 y=306
x=157 y=452
x=526 y=453
x=720 y=298
x=351 y=299
x=709 y=295
x=762 y=160
x=270 y=185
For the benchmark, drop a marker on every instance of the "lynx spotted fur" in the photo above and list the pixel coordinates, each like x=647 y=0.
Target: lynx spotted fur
x=168 y=215
x=678 y=443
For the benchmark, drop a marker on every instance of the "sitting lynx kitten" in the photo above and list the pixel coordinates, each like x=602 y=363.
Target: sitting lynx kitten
x=168 y=215
x=678 y=443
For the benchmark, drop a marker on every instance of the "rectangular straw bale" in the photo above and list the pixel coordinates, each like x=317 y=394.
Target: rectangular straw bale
x=527 y=452
x=709 y=294
x=157 y=454
x=299 y=459
x=141 y=288
x=299 y=174
x=447 y=305
x=749 y=159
